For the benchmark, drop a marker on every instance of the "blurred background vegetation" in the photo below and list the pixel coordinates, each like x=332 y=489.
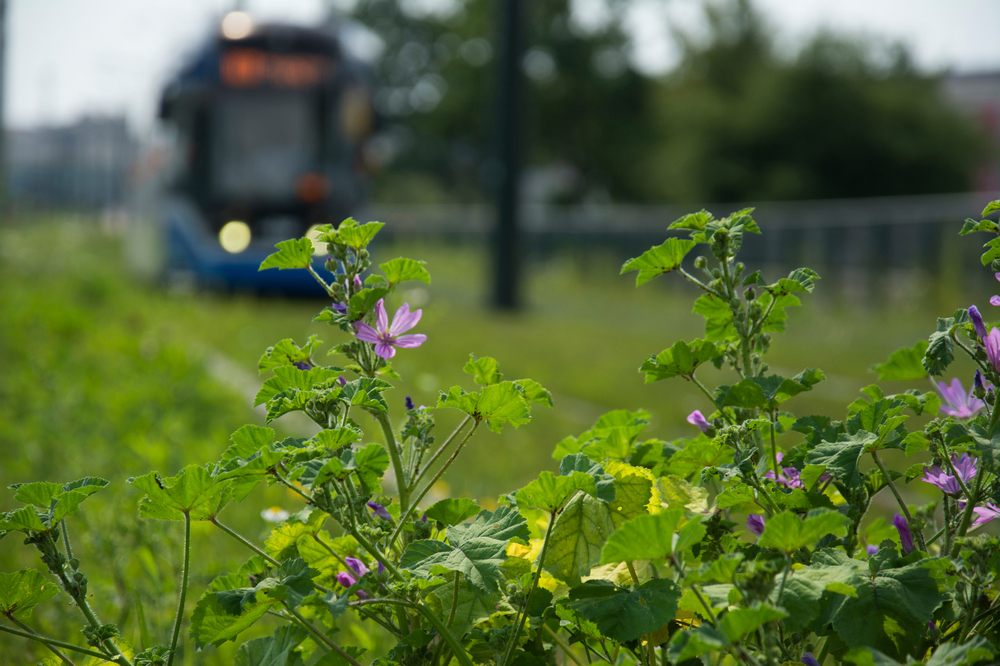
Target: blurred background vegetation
x=103 y=374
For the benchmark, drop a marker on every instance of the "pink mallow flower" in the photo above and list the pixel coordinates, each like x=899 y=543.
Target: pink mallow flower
x=965 y=468
x=995 y=300
x=985 y=514
x=385 y=337
x=347 y=580
x=992 y=344
x=789 y=476
x=957 y=402
x=696 y=418
x=755 y=524
x=905 y=536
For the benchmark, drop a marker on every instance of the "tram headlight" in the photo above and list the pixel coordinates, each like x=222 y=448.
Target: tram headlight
x=237 y=25
x=234 y=236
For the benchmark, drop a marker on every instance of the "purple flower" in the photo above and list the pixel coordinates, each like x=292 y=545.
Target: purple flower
x=977 y=322
x=755 y=524
x=379 y=510
x=381 y=568
x=905 y=537
x=789 y=476
x=809 y=660
x=992 y=343
x=386 y=337
x=341 y=380
x=696 y=418
x=357 y=282
x=340 y=307
x=957 y=402
x=978 y=386
x=409 y=404
x=356 y=565
x=995 y=300
x=965 y=467
x=985 y=514
x=872 y=550
x=346 y=580
x=302 y=365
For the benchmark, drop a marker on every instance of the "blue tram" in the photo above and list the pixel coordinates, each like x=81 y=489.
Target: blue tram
x=268 y=124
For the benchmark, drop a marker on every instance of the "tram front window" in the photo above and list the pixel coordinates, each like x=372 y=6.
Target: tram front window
x=263 y=143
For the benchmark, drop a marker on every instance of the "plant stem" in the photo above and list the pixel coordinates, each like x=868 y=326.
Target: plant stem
x=56 y=651
x=52 y=642
x=774 y=446
x=708 y=395
x=69 y=549
x=246 y=542
x=899 y=499
x=437 y=454
x=291 y=486
x=567 y=650
x=534 y=585
x=784 y=577
x=404 y=516
x=631 y=572
x=397 y=462
x=312 y=271
x=970 y=503
x=443 y=632
x=308 y=626
x=183 y=593
x=454 y=601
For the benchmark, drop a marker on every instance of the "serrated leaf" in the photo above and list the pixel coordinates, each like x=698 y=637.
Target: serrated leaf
x=991 y=207
x=21 y=591
x=904 y=364
x=788 y=532
x=193 y=490
x=534 y=392
x=212 y=625
x=286 y=352
x=624 y=614
x=484 y=370
x=680 y=360
x=355 y=235
x=273 y=650
x=364 y=302
x=452 y=511
x=496 y=404
x=577 y=473
x=739 y=622
x=939 y=354
x=294 y=253
x=653 y=537
x=476 y=550
x=658 y=260
x=402 y=269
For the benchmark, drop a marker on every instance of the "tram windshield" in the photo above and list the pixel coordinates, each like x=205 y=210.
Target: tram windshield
x=263 y=142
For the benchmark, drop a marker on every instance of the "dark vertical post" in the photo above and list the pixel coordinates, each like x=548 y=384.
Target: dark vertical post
x=506 y=257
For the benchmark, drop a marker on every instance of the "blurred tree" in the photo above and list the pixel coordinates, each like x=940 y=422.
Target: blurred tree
x=736 y=121
x=844 y=118
x=585 y=105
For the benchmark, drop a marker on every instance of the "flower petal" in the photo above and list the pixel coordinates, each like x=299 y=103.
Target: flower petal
x=385 y=350
x=404 y=320
x=995 y=300
x=410 y=341
x=365 y=332
x=381 y=318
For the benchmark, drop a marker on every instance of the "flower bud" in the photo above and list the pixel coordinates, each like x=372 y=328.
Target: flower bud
x=750 y=294
x=700 y=262
x=979 y=388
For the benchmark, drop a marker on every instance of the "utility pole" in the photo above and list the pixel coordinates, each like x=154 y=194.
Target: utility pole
x=506 y=258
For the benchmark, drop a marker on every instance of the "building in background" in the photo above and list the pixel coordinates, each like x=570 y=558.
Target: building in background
x=978 y=95
x=80 y=166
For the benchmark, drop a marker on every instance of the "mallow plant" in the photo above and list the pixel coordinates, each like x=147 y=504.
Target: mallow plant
x=752 y=540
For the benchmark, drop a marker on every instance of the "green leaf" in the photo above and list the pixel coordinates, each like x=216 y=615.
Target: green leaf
x=864 y=656
x=57 y=500
x=577 y=473
x=534 y=392
x=767 y=392
x=693 y=221
x=496 y=404
x=211 y=624
x=471 y=609
x=940 y=352
x=294 y=253
x=484 y=370
x=580 y=531
x=452 y=511
x=841 y=458
x=991 y=207
x=993 y=253
x=653 y=537
x=624 y=614
x=476 y=550
x=891 y=608
x=612 y=436
x=972 y=226
x=287 y=352
x=272 y=650
x=658 y=260
x=355 y=235
x=402 y=269
x=977 y=649
x=904 y=364
x=787 y=532
x=680 y=360
x=22 y=591
x=737 y=623
x=193 y=490
x=364 y=301
x=687 y=644
x=247 y=442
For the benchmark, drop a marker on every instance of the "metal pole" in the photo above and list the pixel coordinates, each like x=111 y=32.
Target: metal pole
x=506 y=258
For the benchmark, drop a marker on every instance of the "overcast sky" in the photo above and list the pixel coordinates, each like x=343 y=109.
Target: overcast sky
x=67 y=58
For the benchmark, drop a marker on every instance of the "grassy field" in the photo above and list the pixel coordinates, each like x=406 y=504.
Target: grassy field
x=101 y=375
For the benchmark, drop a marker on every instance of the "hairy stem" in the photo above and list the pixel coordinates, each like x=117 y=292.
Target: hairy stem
x=404 y=516
x=323 y=638
x=52 y=648
x=182 y=597
x=397 y=462
x=899 y=499
x=437 y=454
x=312 y=271
x=246 y=542
x=567 y=650
x=531 y=591
x=54 y=643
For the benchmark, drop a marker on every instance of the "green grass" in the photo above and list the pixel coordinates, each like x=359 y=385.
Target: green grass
x=101 y=375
